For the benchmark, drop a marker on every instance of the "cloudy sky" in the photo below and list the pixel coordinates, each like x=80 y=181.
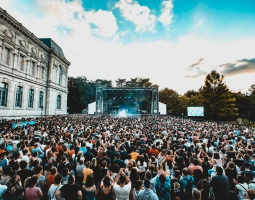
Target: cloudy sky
x=173 y=42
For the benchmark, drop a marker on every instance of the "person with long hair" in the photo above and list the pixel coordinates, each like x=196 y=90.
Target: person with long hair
x=106 y=189
x=89 y=189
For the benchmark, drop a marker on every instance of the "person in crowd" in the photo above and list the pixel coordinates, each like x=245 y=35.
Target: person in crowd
x=32 y=192
x=106 y=189
x=122 y=189
x=147 y=193
x=89 y=189
x=55 y=187
x=69 y=191
x=220 y=184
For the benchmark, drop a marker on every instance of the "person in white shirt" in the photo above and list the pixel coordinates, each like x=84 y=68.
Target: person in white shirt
x=242 y=188
x=55 y=187
x=122 y=191
x=252 y=184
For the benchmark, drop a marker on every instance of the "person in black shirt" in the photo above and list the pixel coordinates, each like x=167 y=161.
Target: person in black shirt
x=24 y=172
x=70 y=191
x=176 y=186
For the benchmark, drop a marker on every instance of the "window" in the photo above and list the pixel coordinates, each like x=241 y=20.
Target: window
x=3 y=94
x=41 y=99
x=31 y=98
x=33 y=68
x=59 y=75
x=21 y=62
x=6 y=56
x=19 y=97
x=58 y=102
x=42 y=75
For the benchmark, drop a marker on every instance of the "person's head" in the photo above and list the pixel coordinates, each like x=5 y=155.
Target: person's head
x=147 y=183
x=23 y=164
x=162 y=178
x=177 y=174
x=251 y=194
x=71 y=179
x=138 y=184
x=219 y=170
x=89 y=181
x=216 y=156
x=185 y=171
x=196 y=194
x=122 y=180
x=240 y=179
x=195 y=162
x=38 y=170
x=58 y=179
x=53 y=170
x=33 y=180
x=107 y=181
x=87 y=164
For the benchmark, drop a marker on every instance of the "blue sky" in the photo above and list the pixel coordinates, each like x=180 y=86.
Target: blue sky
x=173 y=42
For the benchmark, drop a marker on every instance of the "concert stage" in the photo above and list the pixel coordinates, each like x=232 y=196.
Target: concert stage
x=127 y=101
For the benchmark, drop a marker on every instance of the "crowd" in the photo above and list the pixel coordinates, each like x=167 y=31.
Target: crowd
x=136 y=158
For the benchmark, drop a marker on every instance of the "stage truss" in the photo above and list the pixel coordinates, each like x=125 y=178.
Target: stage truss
x=105 y=97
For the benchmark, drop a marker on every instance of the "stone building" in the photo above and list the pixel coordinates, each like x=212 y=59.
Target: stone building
x=33 y=72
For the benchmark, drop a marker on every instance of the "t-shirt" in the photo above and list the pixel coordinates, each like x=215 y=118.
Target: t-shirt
x=33 y=193
x=69 y=192
x=242 y=190
x=53 y=190
x=86 y=172
x=122 y=193
x=3 y=188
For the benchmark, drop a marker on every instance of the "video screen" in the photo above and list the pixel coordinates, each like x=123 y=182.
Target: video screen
x=195 y=111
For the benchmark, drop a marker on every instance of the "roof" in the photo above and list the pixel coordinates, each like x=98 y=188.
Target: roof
x=51 y=44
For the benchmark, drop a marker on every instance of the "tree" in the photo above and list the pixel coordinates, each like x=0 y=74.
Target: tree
x=252 y=102
x=172 y=99
x=103 y=82
x=219 y=102
x=120 y=82
x=191 y=93
x=138 y=82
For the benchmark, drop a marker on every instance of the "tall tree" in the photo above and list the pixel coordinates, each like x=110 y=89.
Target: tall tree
x=219 y=102
x=252 y=102
x=172 y=99
x=120 y=82
x=138 y=82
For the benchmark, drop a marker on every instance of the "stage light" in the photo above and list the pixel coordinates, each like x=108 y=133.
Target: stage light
x=123 y=113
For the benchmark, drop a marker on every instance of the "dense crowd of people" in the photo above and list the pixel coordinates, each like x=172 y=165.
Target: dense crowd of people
x=137 y=158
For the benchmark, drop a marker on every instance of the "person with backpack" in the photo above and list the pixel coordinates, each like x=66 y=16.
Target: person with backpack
x=14 y=190
x=187 y=183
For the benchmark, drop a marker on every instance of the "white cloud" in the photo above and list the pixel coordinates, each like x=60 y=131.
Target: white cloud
x=139 y=15
x=199 y=23
x=163 y=61
x=166 y=16
x=99 y=19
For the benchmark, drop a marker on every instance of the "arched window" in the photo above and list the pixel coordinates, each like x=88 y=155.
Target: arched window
x=3 y=94
x=19 y=93
x=31 y=98
x=58 y=102
x=59 y=75
x=41 y=99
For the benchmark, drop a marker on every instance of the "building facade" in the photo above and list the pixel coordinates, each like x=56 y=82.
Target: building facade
x=33 y=72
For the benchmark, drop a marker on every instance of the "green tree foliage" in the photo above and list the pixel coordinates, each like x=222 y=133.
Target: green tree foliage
x=138 y=82
x=82 y=92
x=252 y=102
x=120 y=82
x=172 y=99
x=219 y=102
